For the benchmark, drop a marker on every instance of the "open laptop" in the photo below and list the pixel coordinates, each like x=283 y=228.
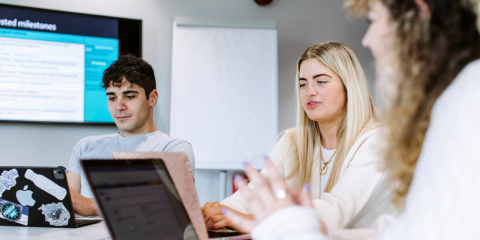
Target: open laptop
x=149 y=198
x=37 y=197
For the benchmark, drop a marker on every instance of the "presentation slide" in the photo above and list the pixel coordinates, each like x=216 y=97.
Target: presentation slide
x=52 y=63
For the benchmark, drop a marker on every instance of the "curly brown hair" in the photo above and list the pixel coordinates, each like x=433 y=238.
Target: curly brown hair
x=428 y=53
x=134 y=70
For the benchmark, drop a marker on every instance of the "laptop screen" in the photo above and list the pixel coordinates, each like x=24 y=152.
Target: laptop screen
x=138 y=199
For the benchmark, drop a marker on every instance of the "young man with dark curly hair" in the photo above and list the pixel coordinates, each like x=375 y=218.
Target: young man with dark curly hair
x=131 y=91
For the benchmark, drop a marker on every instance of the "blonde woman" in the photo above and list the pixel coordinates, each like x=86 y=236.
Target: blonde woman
x=333 y=147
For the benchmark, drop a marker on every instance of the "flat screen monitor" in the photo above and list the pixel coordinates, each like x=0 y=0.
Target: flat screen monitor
x=52 y=63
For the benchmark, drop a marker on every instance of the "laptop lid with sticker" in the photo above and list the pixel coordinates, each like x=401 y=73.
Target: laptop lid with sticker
x=138 y=199
x=35 y=196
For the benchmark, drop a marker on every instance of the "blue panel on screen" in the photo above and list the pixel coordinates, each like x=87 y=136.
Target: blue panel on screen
x=54 y=37
x=99 y=54
x=96 y=109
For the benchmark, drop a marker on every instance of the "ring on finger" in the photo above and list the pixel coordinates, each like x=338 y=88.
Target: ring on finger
x=280 y=193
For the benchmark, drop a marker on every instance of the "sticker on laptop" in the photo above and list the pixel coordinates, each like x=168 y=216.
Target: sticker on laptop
x=24 y=197
x=14 y=212
x=55 y=213
x=46 y=184
x=8 y=180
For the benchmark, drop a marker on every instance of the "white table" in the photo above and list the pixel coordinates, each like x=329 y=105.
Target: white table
x=94 y=231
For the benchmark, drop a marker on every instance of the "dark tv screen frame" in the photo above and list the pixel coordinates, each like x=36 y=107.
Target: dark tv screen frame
x=128 y=32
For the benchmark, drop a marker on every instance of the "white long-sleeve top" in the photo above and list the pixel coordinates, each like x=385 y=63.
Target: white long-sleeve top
x=444 y=198
x=359 y=175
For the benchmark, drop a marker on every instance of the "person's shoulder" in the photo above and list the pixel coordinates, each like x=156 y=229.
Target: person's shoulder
x=283 y=147
x=369 y=143
x=161 y=136
x=178 y=141
x=93 y=139
x=284 y=141
x=168 y=143
x=468 y=78
x=465 y=84
x=471 y=70
x=288 y=136
x=373 y=133
x=462 y=95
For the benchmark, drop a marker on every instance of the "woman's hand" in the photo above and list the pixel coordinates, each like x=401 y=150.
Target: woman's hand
x=273 y=195
x=214 y=218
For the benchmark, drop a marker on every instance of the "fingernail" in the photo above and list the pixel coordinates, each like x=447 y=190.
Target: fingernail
x=224 y=211
x=212 y=227
x=306 y=187
x=238 y=178
x=245 y=164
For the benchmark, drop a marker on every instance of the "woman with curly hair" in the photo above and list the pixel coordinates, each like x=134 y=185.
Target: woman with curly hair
x=427 y=54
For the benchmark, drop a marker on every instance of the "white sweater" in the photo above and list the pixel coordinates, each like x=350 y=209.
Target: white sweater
x=444 y=199
x=358 y=177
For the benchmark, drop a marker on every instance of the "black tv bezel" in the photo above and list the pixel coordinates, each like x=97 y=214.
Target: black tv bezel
x=138 y=54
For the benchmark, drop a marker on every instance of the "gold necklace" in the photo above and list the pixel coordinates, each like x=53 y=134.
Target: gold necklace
x=323 y=171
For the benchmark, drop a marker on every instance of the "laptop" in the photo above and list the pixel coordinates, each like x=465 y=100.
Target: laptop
x=37 y=197
x=149 y=196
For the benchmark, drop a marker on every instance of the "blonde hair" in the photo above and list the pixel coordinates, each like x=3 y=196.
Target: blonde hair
x=360 y=112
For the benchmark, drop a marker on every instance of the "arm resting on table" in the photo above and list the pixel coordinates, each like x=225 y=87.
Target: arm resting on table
x=81 y=205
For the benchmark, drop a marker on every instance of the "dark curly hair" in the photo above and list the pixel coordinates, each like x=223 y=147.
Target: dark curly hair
x=135 y=70
x=428 y=54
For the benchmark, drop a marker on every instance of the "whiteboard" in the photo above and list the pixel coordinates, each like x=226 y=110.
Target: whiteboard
x=224 y=92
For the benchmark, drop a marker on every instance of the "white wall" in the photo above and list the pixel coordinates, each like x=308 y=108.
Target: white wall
x=301 y=23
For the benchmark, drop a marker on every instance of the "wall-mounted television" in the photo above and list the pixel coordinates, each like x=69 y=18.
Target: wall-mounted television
x=52 y=63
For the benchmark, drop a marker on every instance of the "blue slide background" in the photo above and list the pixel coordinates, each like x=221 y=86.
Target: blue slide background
x=99 y=54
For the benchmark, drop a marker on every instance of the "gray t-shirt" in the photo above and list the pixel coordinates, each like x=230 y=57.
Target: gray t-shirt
x=102 y=147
